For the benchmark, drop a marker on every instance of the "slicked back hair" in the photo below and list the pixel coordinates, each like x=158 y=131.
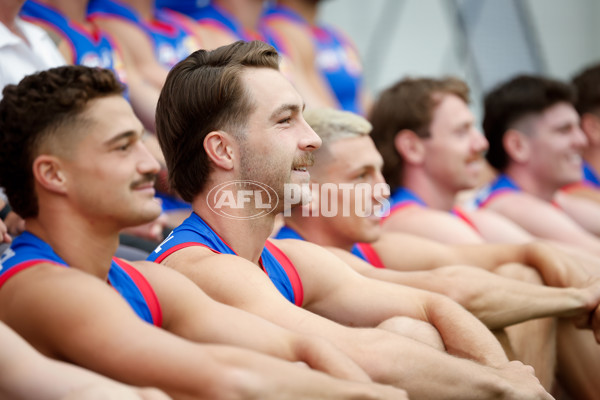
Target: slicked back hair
x=205 y=93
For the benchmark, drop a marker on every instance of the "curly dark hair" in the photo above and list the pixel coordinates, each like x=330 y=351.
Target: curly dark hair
x=508 y=103
x=204 y=93
x=42 y=106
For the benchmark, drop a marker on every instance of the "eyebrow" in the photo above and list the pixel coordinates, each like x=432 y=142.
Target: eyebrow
x=121 y=136
x=287 y=107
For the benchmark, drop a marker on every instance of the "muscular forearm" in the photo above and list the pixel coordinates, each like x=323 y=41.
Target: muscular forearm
x=426 y=372
x=499 y=302
x=463 y=334
x=321 y=355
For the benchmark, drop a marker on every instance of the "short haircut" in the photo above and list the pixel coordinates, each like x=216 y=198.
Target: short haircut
x=41 y=109
x=508 y=103
x=332 y=125
x=205 y=93
x=587 y=83
x=408 y=104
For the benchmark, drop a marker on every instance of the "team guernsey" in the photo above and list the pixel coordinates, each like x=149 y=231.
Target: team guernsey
x=27 y=250
x=364 y=251
x=590 y=176
x=402 y=198
x=194 y=231
x=501 y=185
x=171 y=41
x=92 y=48
x=336 y=57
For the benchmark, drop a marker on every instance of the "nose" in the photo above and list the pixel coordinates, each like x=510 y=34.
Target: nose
x=580 y=139
x=479 y=143
x=309 y=140
x=147 y=164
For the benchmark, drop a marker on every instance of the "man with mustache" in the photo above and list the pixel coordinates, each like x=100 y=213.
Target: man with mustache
x=231 y=128
x=431 y=149
x=348 y=157
x=76 y=168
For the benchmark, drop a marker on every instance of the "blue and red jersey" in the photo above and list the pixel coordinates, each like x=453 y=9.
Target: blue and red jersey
x=195 y=232
x=171 y=41
x=364 y=251
x=89 y=45
x=402 y=198
x=27 y=251
x=336 y=57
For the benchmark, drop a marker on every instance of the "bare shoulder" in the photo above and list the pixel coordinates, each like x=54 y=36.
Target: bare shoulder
x=301 y=252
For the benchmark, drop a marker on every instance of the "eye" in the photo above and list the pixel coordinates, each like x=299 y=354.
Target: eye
x=286 y=120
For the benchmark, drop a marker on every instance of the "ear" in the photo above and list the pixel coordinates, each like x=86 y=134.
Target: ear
x=47 y=171
x=409 y=146
x=590 y=125
x=219 y=148
x=516 y=144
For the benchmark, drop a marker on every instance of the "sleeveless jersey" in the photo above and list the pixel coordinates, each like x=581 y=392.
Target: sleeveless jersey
x=27 y=250
x=403 y=197
x=195 y=232
x=336 y=57
x=364 y=251
x=171 y=42
x=89 y=48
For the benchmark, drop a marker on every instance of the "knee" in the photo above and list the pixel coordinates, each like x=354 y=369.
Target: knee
x=414 y=329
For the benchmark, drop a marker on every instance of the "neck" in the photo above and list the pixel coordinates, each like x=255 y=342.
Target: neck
x=591 y=155
x=246 y=12
x=245 y=236
x=306 y=9
x=317 y=229
x=83 y=244
x=530 y=184
x=75 y=10
x=145 y=8
x=8 y=14
x=433 y=194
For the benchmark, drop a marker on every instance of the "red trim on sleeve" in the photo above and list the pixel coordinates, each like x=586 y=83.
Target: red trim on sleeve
x=399 y=206
x=290 y=270
x=370 y=254
x=180 y=246
x=24 y=265
x=145 y=288
x=461 y=214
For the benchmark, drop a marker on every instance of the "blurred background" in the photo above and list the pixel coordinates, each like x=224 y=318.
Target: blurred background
x=481 y=41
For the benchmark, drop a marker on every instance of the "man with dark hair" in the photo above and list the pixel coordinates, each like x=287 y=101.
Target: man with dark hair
x=581 y=200
x=536 y=143
x=348 y=156
x=78 y=172
x=432 y=150
x=230 y=124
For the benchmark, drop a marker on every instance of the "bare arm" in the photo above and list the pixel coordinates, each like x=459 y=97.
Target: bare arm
x=495 y=300
x=89 y=324
x=235 y=281
x=408 y=252
x=192 y=314
x=543 y=220
x=432 y=224
x=349 y=297
x=584 y=211
x=20 y=365
x=136 y=44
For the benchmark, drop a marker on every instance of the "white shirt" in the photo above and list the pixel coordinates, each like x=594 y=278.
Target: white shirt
x=19 y=58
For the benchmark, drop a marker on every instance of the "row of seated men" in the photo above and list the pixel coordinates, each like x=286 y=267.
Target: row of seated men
x=94 y=182
x=142 y=40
